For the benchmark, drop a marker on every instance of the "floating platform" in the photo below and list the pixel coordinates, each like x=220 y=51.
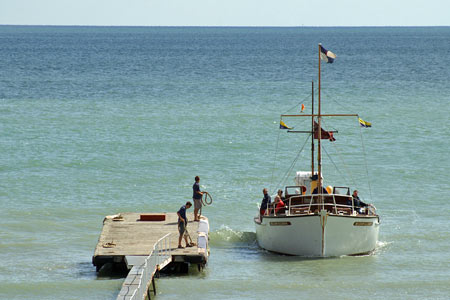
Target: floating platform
x=127 y=236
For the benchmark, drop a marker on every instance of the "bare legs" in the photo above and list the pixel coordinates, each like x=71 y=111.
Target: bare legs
x=185 y=239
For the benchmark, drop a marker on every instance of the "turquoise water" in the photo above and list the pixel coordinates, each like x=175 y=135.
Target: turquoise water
x=96 y=121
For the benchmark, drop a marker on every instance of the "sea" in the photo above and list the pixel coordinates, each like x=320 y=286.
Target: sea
x=96 y=121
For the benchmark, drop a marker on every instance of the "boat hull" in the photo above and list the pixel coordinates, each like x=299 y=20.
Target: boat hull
x=318 y=235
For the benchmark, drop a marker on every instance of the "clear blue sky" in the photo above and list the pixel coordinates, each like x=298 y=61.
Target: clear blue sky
x=227 y=12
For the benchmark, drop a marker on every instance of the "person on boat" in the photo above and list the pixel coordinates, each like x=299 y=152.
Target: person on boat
x=315 y=181
x=182 y=223
x=324 y=190
x=265 y=202
x=278 y=202
x=197 y=198
x=357 y=202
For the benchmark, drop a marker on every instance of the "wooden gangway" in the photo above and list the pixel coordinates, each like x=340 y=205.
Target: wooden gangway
x=146 y=243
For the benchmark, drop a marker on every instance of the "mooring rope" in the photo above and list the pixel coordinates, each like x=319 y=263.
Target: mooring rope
x=205 y=201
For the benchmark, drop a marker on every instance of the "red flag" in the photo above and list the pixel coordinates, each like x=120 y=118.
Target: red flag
x=323 y=134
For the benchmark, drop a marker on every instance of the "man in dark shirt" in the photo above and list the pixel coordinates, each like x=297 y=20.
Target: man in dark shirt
x=265 y=202
x=182 y=223
x=316 y=191
x=197 y=198
x=357 y=202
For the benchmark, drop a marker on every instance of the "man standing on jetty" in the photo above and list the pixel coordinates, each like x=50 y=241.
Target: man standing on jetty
x=182 y=223
x=197 y=197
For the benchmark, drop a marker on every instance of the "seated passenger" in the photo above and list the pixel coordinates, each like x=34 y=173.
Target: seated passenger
x=279 y=204
x=357 y=202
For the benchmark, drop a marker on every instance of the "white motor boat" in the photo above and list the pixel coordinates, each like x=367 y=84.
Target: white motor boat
x=315 y=221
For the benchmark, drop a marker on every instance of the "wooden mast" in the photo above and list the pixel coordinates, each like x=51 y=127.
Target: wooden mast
x=319 y=116
x=312 y=128
x=319 y=151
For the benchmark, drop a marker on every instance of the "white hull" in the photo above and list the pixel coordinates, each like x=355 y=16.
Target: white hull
x=318 y=235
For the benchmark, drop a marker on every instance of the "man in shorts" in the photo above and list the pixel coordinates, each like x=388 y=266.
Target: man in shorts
x=182 y=223
x=197 y=198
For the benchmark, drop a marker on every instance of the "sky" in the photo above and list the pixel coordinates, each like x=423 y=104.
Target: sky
x=226 y=12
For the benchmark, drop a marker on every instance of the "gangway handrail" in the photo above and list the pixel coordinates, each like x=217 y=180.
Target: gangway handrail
x=160 y=254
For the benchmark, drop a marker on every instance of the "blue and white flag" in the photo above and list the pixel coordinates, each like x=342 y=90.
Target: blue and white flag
x=326 y=55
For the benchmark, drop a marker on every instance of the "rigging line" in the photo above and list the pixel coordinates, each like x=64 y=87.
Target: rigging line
x=275 y=158
x=344 y=164
x=286 y=175
x=298 y=156
x=342 y=174
x=335 y=101
x=347 y=170
x=296 y=105
x=365 y=161
x=342 y=161
x=325 y=125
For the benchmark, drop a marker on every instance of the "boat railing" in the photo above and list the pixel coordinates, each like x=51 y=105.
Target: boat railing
x=313 y=203
x=371 y=210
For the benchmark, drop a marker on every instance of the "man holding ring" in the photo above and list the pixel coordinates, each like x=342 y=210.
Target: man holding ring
x=197 y=197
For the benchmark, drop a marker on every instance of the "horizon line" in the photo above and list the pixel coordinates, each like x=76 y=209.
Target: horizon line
x=226 y=26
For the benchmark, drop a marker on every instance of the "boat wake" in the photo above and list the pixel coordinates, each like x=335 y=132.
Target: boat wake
x=381 y=246
x=227 y=237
